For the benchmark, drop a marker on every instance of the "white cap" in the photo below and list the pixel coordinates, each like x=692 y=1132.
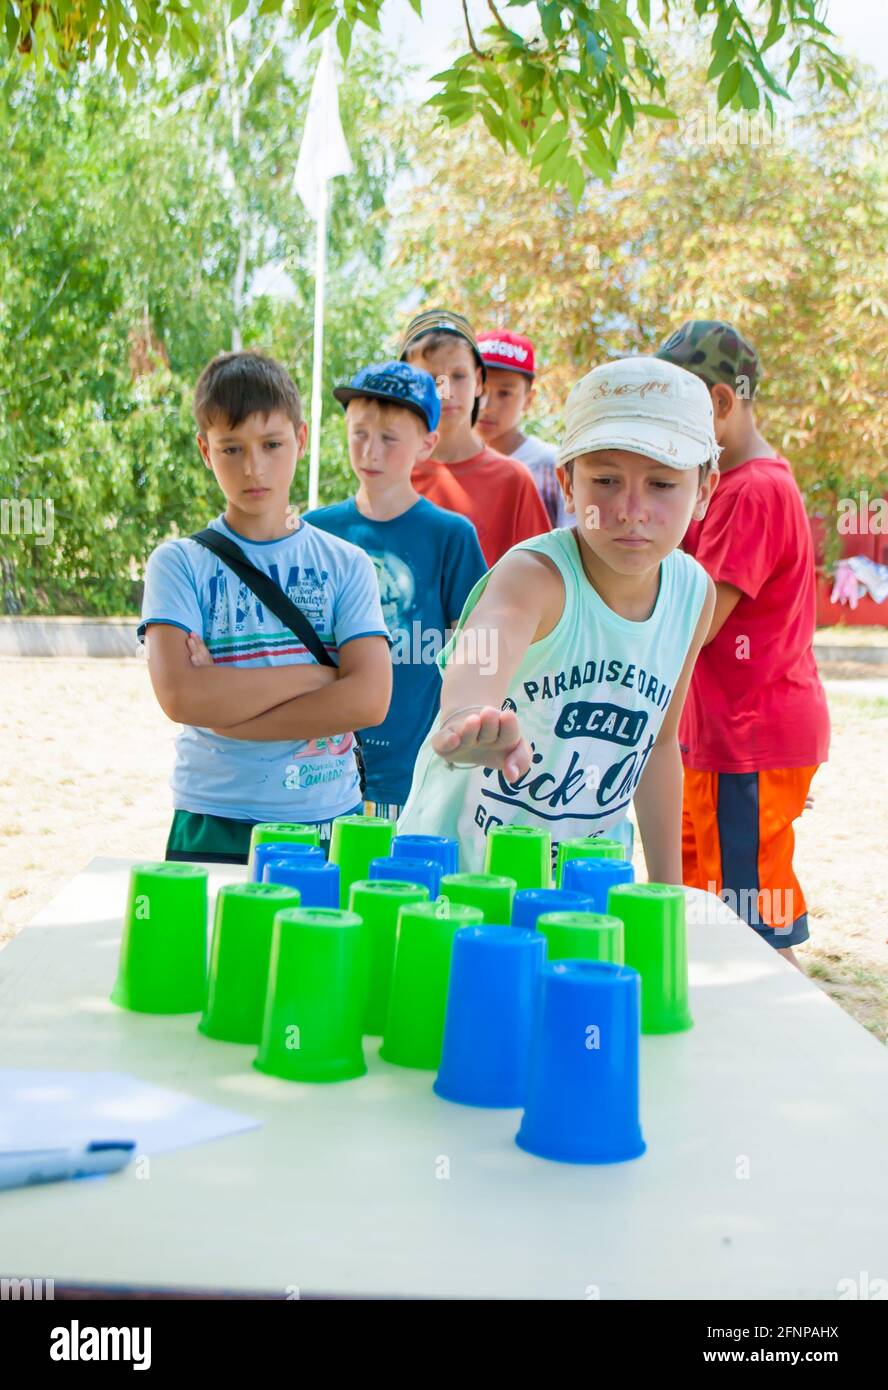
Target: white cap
x=645 y=406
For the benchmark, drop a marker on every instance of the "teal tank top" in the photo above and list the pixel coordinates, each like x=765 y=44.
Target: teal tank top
x=590 y=698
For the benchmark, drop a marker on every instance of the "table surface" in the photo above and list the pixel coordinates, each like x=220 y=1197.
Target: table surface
x=764 y=1176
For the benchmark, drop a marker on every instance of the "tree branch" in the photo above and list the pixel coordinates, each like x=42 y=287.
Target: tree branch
x=472 y=45
x=272 y=44
x=39 y=315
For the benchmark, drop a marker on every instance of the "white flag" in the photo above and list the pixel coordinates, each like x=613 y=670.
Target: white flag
x=323 y=153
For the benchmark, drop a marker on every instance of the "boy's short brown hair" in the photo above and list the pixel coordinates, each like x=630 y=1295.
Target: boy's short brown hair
x=238 y=384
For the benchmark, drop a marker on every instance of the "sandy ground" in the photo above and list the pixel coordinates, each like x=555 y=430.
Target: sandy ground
x=85 y=757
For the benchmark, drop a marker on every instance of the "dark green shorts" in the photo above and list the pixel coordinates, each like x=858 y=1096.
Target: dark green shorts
x=195 y=838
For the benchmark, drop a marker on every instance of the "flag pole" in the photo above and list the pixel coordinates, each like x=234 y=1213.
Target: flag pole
x=314 y=460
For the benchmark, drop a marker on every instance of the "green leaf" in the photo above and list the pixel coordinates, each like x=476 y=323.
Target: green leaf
x=495 y=124
x=729 y=84
x=416 y=6
x=550 y=19
x=627 y=109
x=661 y=113
x=576 y=180
x=749 y=92
x=724 y=55
x=773 y=36
x=237 y=9
x=793 y=63
x=552 y=170
x=644 y=12
x=553 y=137
x=343 y=39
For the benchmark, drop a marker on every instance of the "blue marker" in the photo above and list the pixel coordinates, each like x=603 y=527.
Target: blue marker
x=25 y=1167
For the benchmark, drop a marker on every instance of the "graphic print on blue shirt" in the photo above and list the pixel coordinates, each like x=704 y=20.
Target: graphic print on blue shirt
x=426 y=561
x=335 y=586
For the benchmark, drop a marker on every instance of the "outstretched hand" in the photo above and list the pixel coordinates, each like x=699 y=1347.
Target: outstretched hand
x=487 y=737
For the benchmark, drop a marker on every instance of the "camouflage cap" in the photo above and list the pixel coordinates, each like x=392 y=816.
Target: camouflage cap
x=715 y=352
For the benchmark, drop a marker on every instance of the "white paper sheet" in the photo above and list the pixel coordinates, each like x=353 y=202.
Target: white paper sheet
x=52 y=1109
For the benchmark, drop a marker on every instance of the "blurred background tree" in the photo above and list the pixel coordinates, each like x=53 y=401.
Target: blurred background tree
x=781 y=231
x=141 y=232
x=148 y=221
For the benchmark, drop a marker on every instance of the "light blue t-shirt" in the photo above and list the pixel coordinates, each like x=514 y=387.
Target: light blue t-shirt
x=334 y=584
x=590 y=698
x=427 y=562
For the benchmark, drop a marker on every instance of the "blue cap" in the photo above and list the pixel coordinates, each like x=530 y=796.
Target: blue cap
x=399 y=384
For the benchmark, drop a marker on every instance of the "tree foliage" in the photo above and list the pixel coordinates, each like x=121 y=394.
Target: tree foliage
x=782 y=233
x=124 y=219
x=563 y=93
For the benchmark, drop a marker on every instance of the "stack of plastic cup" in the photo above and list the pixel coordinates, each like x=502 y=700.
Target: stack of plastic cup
x=437 y=847
x=414 y=1028
x=404 y=870
x=582 y=1090
x=582 y=936
x=521 y=852
x=354 y=842
x=163 y=950
x=587 y=847
x=656 y=945
x=281 y=849
x=317 y=982
x=378 y=903
x=316 y=880
x=281 y=833
x=239 y=957
x=595 y=877
x=492 y=893
x=494 y=987
x=531 y=903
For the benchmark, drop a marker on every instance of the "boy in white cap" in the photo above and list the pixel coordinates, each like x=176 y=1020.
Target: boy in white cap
x=596 y=630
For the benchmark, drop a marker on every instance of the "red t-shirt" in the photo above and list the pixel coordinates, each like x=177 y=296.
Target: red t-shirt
x=496 y=493
x=755 y=699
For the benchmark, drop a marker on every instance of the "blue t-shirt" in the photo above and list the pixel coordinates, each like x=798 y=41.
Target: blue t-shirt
x=427 y=561
x=334 y=584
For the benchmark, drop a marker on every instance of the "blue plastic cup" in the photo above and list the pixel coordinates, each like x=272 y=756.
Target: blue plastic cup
x=530 y=903
x=596 y=877
x=495 y=977
x=437 y=847
x=281 y=849
x=582 y=1090
x=317 y=881
x=404 y=870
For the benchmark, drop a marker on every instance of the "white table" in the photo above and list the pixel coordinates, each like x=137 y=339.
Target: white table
x=339 y=1191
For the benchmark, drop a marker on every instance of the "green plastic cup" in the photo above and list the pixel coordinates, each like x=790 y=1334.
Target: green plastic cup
x=656 y=945
x=582 y=936
x=239 y=956
x=414 y=1030
x=378 y=901
x=587 y=848
x=354 y=841
x=163 y=951
x=270 y=833
x=492 y=893
x=521 y=852
x=317 y=987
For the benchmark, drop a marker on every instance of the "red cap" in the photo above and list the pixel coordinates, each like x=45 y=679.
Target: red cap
x=510 y=352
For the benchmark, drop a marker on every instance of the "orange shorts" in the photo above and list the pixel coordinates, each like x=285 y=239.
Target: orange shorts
x=738 y=842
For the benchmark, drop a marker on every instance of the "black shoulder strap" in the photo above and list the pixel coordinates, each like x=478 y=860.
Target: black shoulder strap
x=265 y=589
x=277 y=602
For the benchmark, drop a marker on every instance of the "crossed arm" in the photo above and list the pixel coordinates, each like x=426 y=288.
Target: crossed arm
x=270 y=702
